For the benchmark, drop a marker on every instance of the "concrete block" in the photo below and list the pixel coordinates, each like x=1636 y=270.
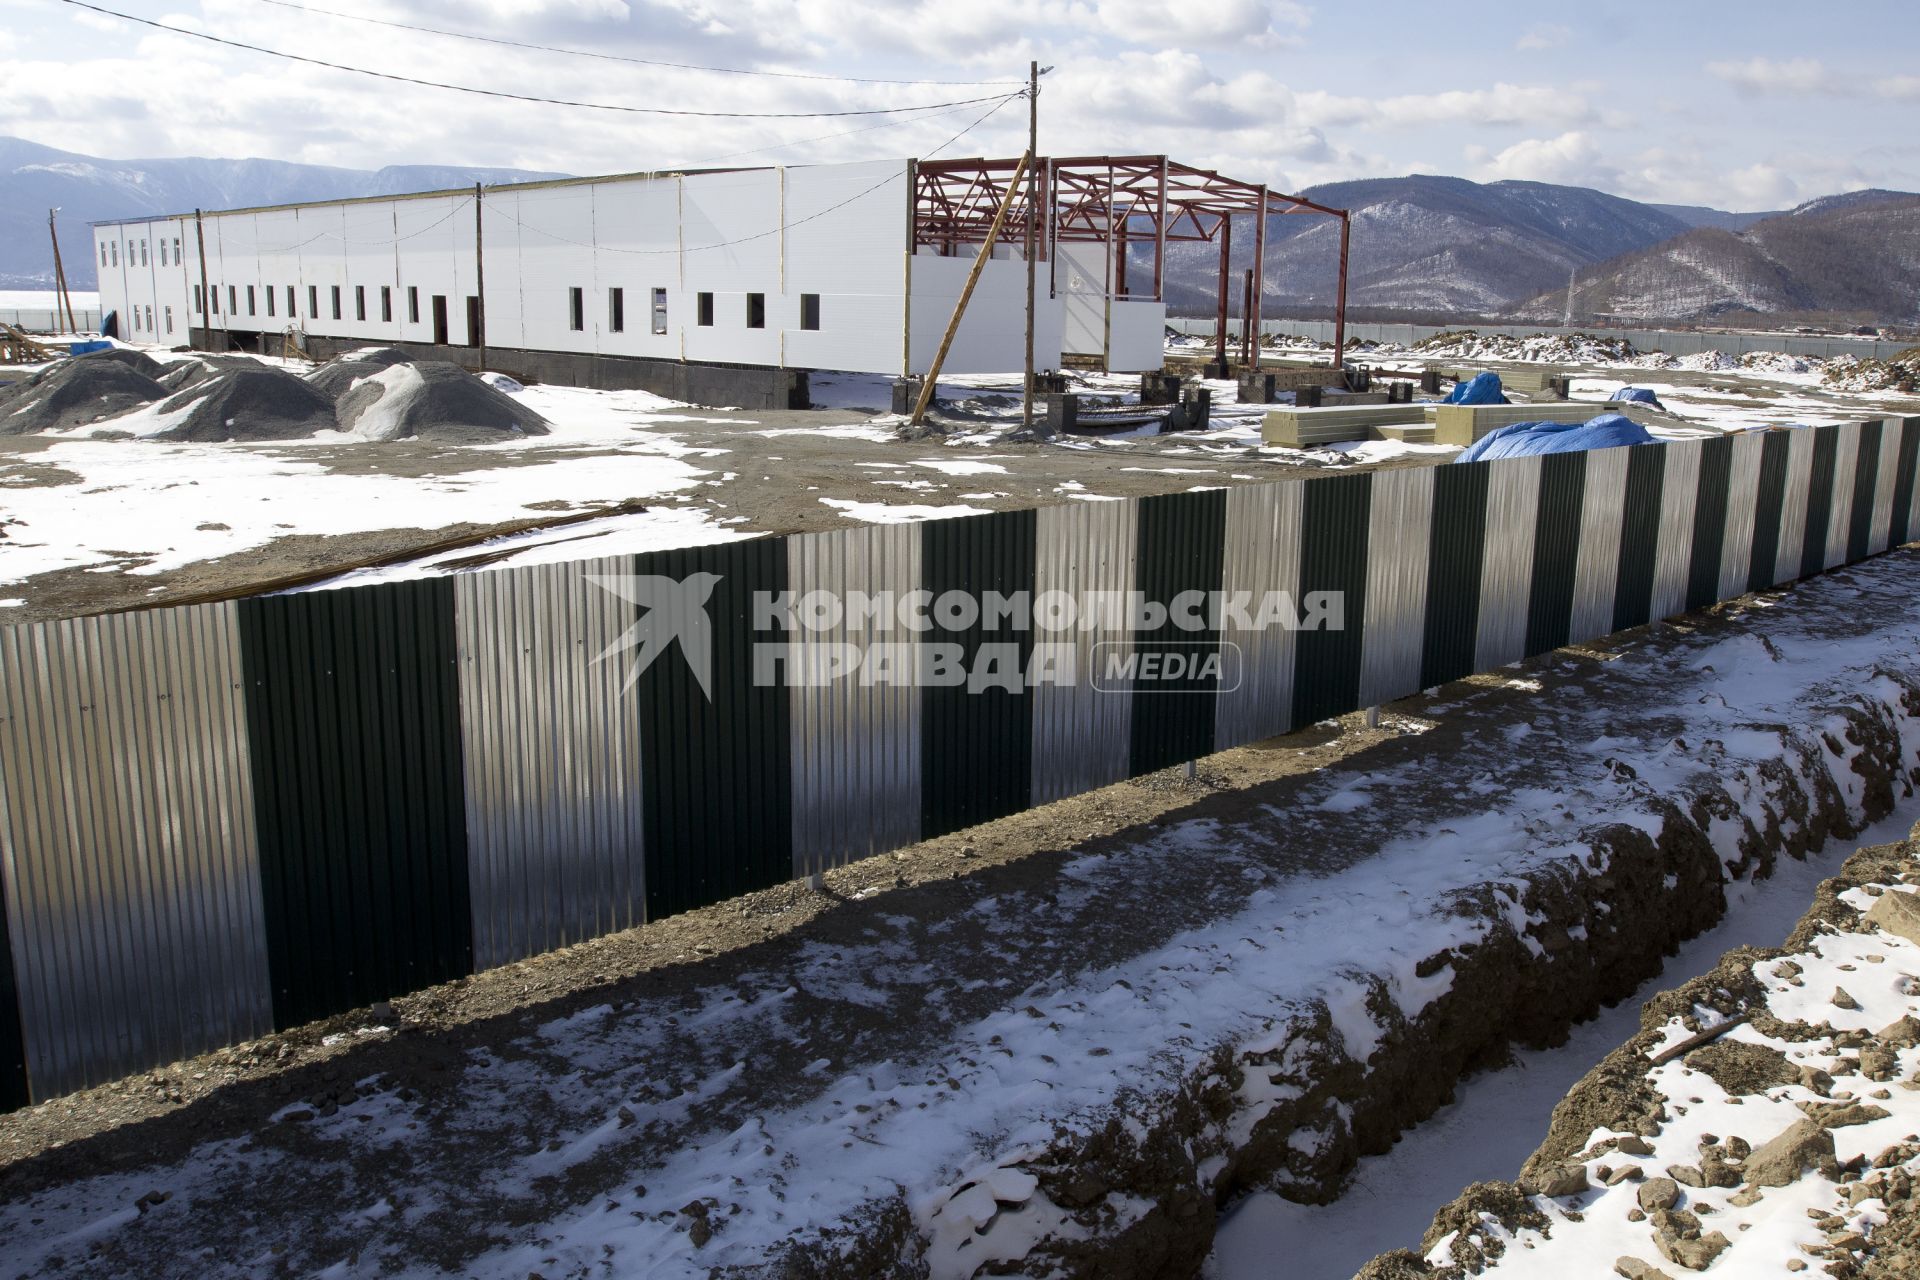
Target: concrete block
x=1063 y=413
x=1258 y=386
x=1159 y=387
x=906 y=394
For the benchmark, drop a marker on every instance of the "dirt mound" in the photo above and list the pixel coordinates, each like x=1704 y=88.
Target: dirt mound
x=434 y=400
x=139 y=361
x=76 y=393
x=1850 y=373
x=189 y=373
x=337 y=376
x=245 y=404
x=1550 y=348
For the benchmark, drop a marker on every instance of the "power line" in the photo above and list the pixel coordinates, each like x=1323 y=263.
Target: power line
x=521 y=97
x=609 y=57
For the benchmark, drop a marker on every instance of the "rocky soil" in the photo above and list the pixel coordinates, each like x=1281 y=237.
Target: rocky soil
x=1646 y=1162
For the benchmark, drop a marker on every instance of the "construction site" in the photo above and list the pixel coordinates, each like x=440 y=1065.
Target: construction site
x=805 y=719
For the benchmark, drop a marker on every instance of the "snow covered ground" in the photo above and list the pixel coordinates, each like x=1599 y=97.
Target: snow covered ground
x=1499 y=1117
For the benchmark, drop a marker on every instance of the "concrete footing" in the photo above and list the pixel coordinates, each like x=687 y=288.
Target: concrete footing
x=719 y=386
x=1159 y=387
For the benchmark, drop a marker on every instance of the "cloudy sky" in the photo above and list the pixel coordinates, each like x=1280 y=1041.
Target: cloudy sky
x=1748 y=105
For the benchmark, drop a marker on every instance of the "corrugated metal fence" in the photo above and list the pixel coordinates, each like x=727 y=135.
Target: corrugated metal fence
x=220 y=820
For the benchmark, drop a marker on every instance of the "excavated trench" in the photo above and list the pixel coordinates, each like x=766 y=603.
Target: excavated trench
x=1294 y=1111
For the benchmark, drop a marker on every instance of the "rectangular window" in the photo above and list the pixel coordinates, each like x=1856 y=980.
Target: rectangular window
x=233 y=300
x=616 y=310
x=143 y=253
x=149 y=319
x=269 y=299
x=703 y=310
x=176 y=251
x=576 y=309
x=103 y=255
x=386 y=303
x=313 y=302
x=336 y=302
x=659 y=310
x=413 y=304
x=213 y=298
x=293 y=312
x=250 y=300
x=756 y=311
x=360 y=302
x=809 y=311
x=161 y=250
x=197 y=304
x=167 y=312
x=115 y=246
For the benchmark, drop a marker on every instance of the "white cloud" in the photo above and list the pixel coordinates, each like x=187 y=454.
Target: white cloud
x=1549 y=35
x=1772 y=76
x=1501 y=105
x=1574 y=158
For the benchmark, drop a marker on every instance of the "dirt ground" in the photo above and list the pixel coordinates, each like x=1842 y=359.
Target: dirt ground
x=474 y=1077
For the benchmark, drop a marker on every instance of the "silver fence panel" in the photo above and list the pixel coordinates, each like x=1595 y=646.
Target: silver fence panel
x=1743 y=485
x=1886 y=475
x=1262 y=555
x=1596 y=574
x=128 y=843
x=1399 y=537
x=1846 y=466
x=1673 y=552
x=1793 y=506
x=1082 y=736
x=855 y=744
x=1506 y=562
x=551 y=741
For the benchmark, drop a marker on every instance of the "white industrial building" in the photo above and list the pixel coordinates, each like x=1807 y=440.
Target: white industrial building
x=792 y=268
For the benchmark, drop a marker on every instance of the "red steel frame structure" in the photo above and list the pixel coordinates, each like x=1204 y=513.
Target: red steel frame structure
x=1116 y=201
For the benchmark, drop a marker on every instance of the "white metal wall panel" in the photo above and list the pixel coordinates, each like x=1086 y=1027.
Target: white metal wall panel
x=127 y=841
x=1743 y=487
x=1506 y=565
x=1138 y=336
x=1399 y=534
x=1596 y=578
x=846 y=242
x=1082 y=734
x=553 y=231
x=989 y=340
x=551 y=742
x=1673 y=551
x=1793 y=505
x=1846 y=466
x=731 y=226
x=1885 y=476
x=1262 y=555
x=1080 y=281
x=855 y=743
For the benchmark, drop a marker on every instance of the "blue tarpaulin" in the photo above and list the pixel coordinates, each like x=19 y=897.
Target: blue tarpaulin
x=88 y=348
x=1638 y=395
x=1525 y=439
x=1484 y=388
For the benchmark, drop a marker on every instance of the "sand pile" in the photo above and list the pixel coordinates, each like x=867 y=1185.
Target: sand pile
x=242 y=404
x=434 y=400
x=76 y=393
x=336 y=377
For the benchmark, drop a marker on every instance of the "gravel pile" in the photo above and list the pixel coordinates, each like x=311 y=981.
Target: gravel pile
x=76 y=393
x=189 y=373
x=336 y=377
x=434 y=400
x=245 y=404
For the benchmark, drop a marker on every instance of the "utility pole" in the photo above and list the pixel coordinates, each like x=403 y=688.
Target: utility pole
x=479 y=334
x=206 y=290
x=1033 y=212
x=60 y=277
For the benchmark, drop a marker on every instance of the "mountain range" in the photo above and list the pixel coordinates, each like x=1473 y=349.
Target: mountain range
x=1423 y=246
x=34 y=179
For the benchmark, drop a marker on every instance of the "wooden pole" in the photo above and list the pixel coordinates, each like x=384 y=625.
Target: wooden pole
x=1340 y=305
x=1033 y=213
x=206 y=290
x=479 y=283
x=60 y=278
x=966 y=293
